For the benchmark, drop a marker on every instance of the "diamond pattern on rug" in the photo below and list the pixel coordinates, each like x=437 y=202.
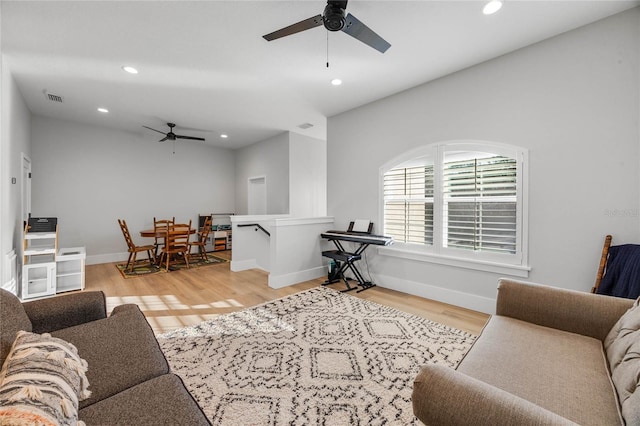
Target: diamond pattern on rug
x=316 y=357
x=334 y=364
x=386 y=328
x=263 y=409
x=259 y=364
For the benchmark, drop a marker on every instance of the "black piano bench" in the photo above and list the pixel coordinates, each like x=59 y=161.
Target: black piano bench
x=341 y=256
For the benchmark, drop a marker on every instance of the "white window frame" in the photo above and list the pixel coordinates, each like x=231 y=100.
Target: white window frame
x=512 y=264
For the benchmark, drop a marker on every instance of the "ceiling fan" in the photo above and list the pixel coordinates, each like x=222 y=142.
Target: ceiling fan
x=170 y=136
x=334 y=19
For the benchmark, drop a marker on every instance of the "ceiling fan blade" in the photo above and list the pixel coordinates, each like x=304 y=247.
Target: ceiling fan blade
x=307 y=24
x=164 y=133
x=360 y=31
x=163 y=139
x=189 y=137
x=193 y=129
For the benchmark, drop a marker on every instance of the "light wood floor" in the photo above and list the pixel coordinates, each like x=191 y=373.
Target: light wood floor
x=181 y=298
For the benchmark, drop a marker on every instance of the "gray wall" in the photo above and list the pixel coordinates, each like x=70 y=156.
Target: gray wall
x=572 y=100
x=15 y=140
x=295 y=168
x=269 y=158
x=307 y=176
x=90 y=176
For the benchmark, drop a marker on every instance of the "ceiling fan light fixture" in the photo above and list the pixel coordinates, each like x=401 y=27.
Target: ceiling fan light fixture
x=333 y=17
x=130 y=69
x=492 y=7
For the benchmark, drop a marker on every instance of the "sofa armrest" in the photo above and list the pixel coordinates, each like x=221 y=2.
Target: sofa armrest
x=121 y=351
x=443 y=396
x=578 y=312
x=60 y=312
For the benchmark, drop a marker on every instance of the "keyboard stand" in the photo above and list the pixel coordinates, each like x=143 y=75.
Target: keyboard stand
x=347 y=261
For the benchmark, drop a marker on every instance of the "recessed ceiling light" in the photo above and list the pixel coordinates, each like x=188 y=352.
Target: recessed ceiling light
x=130 y=70
x=492 y=7
x=336 y=82
x=224 y=136
x=104 y=110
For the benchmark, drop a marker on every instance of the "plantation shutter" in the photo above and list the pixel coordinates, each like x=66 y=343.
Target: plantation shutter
x=408 y=204
x=480 y=203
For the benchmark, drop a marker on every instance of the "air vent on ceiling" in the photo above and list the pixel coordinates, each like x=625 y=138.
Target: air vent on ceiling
x=305 y=125
x=54 y=98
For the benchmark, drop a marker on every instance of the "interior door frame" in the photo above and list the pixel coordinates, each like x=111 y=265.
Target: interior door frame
x=25 y=190
x=253 y=183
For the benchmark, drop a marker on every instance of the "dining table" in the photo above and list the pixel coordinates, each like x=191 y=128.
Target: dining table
x=160 y=233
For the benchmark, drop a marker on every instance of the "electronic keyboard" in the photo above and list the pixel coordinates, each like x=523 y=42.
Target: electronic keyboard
x=358 y=237
x=346 y=260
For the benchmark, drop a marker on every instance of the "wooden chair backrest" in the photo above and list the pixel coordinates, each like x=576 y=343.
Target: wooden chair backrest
x=126 y=234
x=603 y=263
x=206 y=229
x=162 y=224
x=178 y=237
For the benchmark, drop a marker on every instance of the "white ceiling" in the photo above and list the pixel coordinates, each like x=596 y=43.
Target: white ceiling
x=205 y=66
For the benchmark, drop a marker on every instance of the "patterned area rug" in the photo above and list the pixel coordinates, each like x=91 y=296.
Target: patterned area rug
x=142 y=267
x=316 y=357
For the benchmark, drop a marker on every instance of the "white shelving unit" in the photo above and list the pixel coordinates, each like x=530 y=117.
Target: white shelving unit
x=222 y=231
x=39 y=264
x=70 y=269
x=48 y=270
x=220 y=236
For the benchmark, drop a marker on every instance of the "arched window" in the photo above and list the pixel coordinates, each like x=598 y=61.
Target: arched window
x=460 y=199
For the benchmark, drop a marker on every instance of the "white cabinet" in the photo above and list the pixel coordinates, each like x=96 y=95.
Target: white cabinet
x=70 y=269
x=47 y=270
x=39 y=278
x=39 y=264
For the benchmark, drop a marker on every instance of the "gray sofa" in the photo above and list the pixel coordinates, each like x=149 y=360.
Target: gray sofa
x=128 y=374
x=548 y=357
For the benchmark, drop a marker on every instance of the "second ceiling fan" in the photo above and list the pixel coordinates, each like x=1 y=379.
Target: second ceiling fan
x=334 y=19
x=170 y=136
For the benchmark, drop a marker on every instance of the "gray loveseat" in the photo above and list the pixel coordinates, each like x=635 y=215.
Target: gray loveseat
x=128 y=375
x=548 y=357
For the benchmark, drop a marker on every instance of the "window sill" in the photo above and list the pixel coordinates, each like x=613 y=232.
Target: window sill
x=478 y=265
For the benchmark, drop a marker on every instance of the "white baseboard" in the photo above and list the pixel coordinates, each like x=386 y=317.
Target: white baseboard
x=284 y=280
x=243 y=265
x=10 y=278
x=107 y=258
x=440 y=294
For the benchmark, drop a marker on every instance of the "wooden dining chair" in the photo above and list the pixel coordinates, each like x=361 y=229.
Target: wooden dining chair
x=160 y=228
x=201 y=242
x=619 y=270
x=176 y=245
x=134 y=249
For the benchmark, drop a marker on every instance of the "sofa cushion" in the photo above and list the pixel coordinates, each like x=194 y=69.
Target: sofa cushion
x=160 y=401
x=62 y=311
x=41 y=381
x=622 y=345
x=121 y=351
x=563 y=372
x=13 y=318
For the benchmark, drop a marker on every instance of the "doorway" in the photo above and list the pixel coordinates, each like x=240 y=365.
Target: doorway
x=26 y=188
x=257 y=204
